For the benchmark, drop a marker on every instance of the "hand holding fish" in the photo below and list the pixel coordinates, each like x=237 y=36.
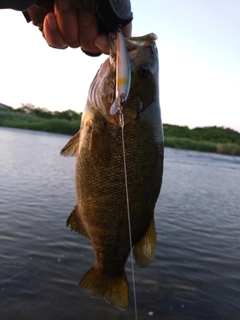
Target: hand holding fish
x=70 y=26
x=81 y=23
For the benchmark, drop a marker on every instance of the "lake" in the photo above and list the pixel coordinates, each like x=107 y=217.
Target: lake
x=195 y=273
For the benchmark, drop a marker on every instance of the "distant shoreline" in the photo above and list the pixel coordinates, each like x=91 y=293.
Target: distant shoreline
x=208 y=139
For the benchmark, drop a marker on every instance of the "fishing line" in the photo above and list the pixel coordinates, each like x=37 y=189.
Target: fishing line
x=121 y=120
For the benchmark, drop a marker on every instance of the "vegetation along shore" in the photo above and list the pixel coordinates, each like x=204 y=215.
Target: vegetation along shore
x=208 y=139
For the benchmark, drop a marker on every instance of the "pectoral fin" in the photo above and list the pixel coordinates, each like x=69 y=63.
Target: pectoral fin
x=71 y=147
x=144 y=249
x=74 y=222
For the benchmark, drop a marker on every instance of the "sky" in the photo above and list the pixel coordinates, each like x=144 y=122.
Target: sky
x=199 y=54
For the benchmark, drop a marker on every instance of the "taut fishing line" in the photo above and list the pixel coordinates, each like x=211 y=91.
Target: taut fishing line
x=121 y=120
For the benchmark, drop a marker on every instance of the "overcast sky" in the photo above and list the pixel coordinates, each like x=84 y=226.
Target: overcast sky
x=199 y=53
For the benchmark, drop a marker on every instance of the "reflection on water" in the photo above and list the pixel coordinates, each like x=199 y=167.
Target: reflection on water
x=195 y=273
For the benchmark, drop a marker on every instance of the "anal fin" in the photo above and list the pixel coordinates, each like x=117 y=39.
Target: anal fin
x=74 y=222
x=144 y=249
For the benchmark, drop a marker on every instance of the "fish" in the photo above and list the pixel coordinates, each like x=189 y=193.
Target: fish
x=100 y=212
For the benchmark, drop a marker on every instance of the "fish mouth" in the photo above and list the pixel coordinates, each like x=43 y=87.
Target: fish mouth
x=133 y=44
x=122 y=55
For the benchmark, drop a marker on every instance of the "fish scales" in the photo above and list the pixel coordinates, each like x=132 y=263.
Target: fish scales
x=105 y=206
x=101 y=209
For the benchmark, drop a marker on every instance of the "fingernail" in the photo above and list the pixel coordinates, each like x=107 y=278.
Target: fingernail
x=63 y=4
x=101 y=43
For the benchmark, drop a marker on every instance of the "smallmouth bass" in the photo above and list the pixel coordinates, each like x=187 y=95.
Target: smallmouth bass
x=101 y=210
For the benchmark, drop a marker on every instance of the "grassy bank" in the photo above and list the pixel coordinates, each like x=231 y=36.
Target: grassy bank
x=208 y=139
x=66 y=122
x=188 y=144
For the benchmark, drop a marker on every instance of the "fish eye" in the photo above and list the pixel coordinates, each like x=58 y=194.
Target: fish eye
x=143 y=70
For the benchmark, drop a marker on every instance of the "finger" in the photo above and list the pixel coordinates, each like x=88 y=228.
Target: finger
x=52 y=33
x=67 y=19
x=88 y=31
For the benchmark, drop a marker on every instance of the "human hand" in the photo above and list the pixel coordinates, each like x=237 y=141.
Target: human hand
x=68 y=26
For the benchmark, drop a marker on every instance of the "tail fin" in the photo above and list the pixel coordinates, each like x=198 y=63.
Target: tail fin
x=114 y=290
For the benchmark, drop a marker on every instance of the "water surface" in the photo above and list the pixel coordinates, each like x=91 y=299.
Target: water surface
x=196 y=270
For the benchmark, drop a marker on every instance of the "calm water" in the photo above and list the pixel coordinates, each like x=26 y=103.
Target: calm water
x=196 y=270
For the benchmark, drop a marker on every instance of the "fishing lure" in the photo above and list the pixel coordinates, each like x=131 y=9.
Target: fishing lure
x=123 y=74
